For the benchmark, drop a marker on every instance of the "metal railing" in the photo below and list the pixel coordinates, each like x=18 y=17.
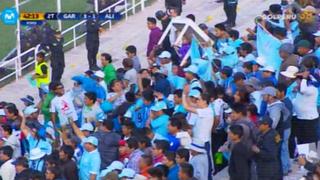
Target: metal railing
x=16 y=64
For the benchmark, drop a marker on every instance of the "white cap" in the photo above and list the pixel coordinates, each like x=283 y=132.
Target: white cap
x=317 y=33
x=290 y=72
x=99 y=74
x=165 y=54
x=261 y=61
x=115 y=165
x=86 y=127
x=268 y=68
x=128 y=173
x=29 y=110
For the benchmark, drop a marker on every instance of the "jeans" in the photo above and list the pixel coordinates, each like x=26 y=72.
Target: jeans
x=285 y=158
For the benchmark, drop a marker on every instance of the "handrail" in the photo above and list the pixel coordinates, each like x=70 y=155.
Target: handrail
x=16 y=61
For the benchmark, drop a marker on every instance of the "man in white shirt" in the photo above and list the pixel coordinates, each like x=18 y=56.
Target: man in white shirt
x=203 y=125
x=62 y=105
x=7 y=169
x=12 y=140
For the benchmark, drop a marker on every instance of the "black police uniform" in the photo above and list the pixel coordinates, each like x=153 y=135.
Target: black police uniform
x=57 y=59
x=92 y=43
x=230 y=8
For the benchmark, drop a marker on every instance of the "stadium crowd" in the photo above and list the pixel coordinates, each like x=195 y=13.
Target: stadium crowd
x=229 y=104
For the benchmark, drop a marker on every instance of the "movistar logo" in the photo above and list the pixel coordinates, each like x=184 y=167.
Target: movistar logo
x=9 y=16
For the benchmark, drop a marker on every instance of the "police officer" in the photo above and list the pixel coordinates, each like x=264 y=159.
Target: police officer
x=57 y=57
x=42 y=73
x=230 y=8
x=92 y=42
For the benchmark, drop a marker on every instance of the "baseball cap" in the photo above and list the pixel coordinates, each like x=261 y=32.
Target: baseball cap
x=86 y=127
x=165 y=54
x=317 y=33
x=115 y=165
x=122 y=143
x=269 y=91
x=268 y=68
x=155 y=65
x=191 y=69
x=22 y=161
x=304 y=43
x=260 y=61
x=28 y=99
x=287 y=47
x=160 y=14
x=266 y=120
x=254 y=82
x=99 y=74
x=159 y=106
x=194 y=93
x=29 y=110
x=127 y=173
x=89 y=72
x=92 y=140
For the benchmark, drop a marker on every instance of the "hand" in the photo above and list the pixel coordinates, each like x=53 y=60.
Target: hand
x=302 y=161
x=34 y=76
x=277 y=138
x=255 y=149
x=305 y=74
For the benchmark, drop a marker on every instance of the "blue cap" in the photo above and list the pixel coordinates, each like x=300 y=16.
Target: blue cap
x=115 y=165
x=86 y=127
x=161 y=105
x=28 y=99
x=266 y=120
x=269 y=91
x=127 y=173
x=92 y=140
x=194 y=93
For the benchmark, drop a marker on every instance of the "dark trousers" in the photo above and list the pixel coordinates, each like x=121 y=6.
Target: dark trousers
x=92 y=48
x=231 y=12
x=218 y=139
x=57 y=72
x=306 y=131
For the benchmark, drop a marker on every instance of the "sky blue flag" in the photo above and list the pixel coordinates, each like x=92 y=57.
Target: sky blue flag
x=268 y=48
x=204 y=65
x=295 y=29
x=229 y=56
x=195 y=53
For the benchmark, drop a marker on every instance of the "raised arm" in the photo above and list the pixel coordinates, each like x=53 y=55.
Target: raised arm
x=185 y=101
x=23 y=127
x=76 y=130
